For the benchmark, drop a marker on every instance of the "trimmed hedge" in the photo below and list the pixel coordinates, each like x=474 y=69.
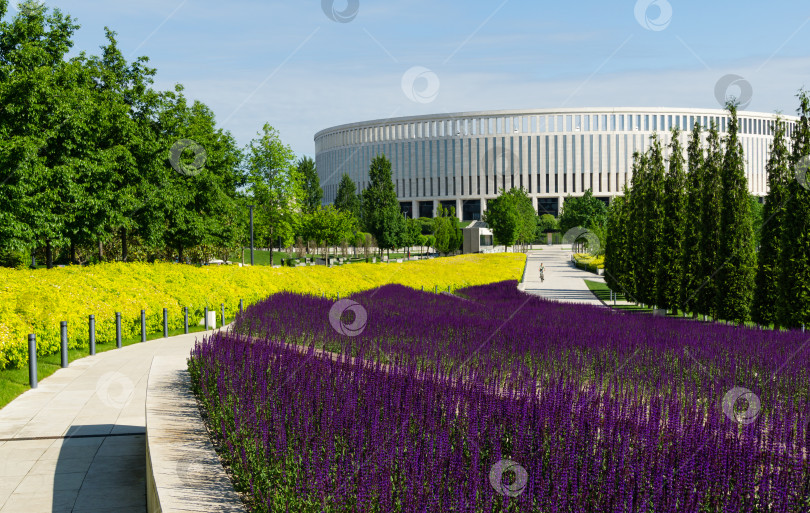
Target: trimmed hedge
x=35 y=301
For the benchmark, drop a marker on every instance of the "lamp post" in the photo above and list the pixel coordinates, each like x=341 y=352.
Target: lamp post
x=251 y=233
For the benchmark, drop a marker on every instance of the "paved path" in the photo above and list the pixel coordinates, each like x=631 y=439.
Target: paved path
x=76 y=443
x=563 y=282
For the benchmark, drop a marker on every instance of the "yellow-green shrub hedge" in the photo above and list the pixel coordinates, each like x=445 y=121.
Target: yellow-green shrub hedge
x=589 y=262
x=35 y=301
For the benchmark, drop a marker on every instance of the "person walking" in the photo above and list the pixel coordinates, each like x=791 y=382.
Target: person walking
x=542 y=269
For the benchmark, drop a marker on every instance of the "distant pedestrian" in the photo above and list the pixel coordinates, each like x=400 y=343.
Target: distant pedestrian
x=542 y=269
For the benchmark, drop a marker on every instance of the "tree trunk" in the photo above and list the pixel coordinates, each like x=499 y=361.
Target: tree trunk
x=48 y=254
x=73 y=251
x=180 y=255
x=271 y=247
x=100 y=250
x=124 y=245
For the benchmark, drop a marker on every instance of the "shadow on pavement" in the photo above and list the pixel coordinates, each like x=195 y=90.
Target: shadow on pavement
x=101 y=468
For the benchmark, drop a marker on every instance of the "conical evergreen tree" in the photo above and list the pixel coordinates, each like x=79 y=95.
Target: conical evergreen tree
x=794 y=281
x=710 y=220
x=635 y=226
x=616 y=244
x=766 y=290
x=691 y=254
x=735 y=281
x=653 y=219
x=674 y=222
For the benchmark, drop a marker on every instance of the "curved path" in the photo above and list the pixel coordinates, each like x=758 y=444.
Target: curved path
x=76 y=443
x=563 y=282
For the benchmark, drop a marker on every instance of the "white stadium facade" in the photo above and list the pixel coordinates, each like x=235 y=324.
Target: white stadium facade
x=463 y=159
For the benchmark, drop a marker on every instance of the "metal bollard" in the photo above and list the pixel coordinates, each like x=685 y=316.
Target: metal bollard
x=143 y=325
x=241 y=307
x=64 y=348
x=118 y=330
x=435 y=289
x=206 y=318
x=222 y=317
x=338 y=296
x=185 y=319
x=32 y=360
x=165 y=323
x=92 y=335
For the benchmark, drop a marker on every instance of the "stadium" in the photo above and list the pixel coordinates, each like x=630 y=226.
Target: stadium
x=463 y=159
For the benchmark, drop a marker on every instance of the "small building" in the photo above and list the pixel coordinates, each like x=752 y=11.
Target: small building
x=477 y=238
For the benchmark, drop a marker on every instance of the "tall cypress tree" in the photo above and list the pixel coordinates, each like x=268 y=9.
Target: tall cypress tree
x=766 y=290
x=311 y=185
x=692 y=248
x=794 y=282
x=635 y=225
x=710 y=220
x=616 y=257
x=735 y=281
x=674 y=222
x=346 y=198
x=381 y=213
x=653 y=217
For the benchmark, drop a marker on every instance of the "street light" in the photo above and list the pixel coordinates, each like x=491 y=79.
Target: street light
x=251 y=233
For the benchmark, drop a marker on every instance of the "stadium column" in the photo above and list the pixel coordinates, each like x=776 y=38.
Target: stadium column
x=415 y=209
x=458 y=209
x=483 y=208
x=436 y=206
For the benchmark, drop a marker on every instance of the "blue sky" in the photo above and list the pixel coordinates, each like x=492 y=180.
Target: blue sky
x=289 y=64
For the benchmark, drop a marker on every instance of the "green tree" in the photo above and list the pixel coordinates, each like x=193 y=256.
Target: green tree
x=691 y=256
x=547 y=223
x=274 y=185
x=585 y=211
x=735 y=279
x=380 y=208
x=328 y=226
x=503 y=218
x=767 y=289
x=346 y=198
x=652 y=235
x=311 y=185
x=198 y=207
x=36 y=169
x=527 y=229
x=616 y=244
x=793 y=308
x=674 y=224
x=413 y=233
x=711 y=204
x=635 y=225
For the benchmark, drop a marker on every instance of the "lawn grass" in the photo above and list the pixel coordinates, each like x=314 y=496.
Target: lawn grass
x=14 y=382
x=602 y=291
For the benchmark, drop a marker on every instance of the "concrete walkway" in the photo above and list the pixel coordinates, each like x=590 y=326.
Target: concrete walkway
x=563 y=282
x=76 y=443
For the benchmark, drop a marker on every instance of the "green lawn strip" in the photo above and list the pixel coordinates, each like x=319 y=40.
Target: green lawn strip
x=14 y=382
x=602 y=291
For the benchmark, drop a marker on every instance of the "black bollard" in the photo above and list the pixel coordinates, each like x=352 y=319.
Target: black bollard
x=64 y=348
x=32 y=360
x=118 y=330
x=92 y=335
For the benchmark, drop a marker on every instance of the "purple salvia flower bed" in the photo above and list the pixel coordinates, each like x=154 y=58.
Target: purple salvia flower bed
x=436 y=396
